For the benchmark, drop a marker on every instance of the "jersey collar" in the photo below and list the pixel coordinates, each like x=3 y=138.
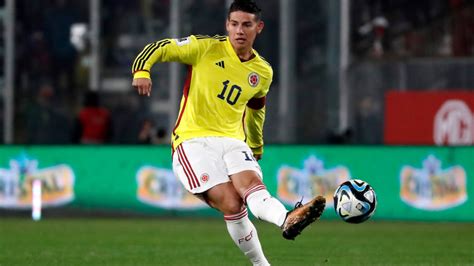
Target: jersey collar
x=231 y=51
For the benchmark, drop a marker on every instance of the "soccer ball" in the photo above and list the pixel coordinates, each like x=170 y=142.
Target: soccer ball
x=355 y=201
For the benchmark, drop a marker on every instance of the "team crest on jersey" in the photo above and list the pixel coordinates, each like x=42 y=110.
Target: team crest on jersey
x=204 y=177
x=254 y=79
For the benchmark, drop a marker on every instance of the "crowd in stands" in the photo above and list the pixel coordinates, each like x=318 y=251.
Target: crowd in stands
x=51 y=81
x=403 y=28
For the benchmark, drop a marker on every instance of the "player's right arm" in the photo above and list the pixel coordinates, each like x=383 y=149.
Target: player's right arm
x=142 y=85
x=255 y=118
x=185 y=50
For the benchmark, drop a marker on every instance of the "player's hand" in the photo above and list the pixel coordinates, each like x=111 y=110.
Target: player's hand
x=142 y=85
x=257 y=156
x=257 y=152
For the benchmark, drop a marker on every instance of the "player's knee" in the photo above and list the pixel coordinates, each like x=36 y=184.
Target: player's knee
x=245 y=181
x=233 y=205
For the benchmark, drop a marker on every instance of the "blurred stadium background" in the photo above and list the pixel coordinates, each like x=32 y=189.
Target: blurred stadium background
x=332 y=70
x=381 y=90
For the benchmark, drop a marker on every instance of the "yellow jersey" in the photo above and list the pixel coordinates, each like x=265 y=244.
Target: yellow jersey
x=218 y=88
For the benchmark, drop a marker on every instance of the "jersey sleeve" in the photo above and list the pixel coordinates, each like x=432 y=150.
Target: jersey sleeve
x=266 y=87
x=185 y=50
x=255 y=116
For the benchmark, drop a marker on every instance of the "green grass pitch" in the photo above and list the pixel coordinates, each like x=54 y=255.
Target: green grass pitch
x=158 y=241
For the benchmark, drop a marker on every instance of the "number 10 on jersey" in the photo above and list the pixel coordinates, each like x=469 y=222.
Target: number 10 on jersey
x=232 y=95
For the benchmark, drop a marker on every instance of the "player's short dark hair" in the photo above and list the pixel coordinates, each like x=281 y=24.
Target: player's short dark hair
x=247 y=6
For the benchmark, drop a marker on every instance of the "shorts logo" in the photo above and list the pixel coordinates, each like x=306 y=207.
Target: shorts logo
x=204 y=177
x=254 y=79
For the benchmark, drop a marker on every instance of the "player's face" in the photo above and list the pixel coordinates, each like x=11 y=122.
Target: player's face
x=243 y=28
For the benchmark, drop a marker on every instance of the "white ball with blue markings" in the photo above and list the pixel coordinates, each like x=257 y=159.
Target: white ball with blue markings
x=355 y=201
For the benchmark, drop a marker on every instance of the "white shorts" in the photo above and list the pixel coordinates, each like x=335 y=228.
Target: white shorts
x=203 y=163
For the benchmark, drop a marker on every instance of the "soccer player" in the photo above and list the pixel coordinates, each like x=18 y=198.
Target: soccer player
x=218 y=138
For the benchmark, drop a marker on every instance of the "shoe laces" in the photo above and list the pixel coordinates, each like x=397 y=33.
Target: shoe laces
x=299 y=203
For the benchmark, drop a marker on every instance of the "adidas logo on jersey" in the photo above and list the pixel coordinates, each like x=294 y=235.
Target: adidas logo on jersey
x=221 y=64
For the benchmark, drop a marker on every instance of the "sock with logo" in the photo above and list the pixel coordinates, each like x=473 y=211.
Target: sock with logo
x=244 y=234
x=264 y=206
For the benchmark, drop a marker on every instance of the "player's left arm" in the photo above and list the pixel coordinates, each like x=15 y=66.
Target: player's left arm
x=254 y=120
x=255 y=112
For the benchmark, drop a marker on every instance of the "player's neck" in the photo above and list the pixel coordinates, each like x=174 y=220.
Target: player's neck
x=245 y=55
